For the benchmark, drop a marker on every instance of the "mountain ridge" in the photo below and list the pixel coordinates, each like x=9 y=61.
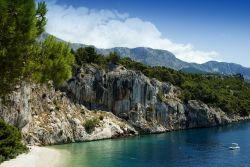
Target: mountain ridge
x=159 y=57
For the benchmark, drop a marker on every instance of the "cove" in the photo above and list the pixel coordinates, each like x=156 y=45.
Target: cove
x=207 y=147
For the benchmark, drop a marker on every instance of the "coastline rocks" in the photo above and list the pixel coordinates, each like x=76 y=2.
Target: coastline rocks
x=119 y=103
x=46 y=116
x=200 y=115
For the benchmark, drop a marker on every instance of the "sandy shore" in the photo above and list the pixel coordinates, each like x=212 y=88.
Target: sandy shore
x=37 y=157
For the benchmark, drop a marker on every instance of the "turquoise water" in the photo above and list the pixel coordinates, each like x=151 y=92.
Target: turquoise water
x=189 y=148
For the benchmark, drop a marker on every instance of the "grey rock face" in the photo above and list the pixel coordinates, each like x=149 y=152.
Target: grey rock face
x=16 y=110
x=121 y=100
x=46 y=116
x=200 y=115
x=148 y=104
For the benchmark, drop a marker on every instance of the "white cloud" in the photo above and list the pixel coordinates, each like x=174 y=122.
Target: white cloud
x=107 y=29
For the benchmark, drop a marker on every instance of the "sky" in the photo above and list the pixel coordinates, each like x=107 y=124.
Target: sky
x=194 y=30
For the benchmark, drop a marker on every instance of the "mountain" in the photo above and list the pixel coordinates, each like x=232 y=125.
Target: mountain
x=157 y=57
x=153 y=57
x=193 y=70
x=223 y=68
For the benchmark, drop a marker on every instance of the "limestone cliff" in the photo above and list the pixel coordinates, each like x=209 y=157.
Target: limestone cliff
x=123 y=101
x=46 y=116
x=149 y=105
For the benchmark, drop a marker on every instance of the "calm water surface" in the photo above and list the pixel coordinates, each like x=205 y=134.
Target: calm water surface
x=189 y=148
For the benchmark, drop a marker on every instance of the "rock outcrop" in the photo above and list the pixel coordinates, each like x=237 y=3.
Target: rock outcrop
x=46 y=116
x=122 y=103
x=149 y=105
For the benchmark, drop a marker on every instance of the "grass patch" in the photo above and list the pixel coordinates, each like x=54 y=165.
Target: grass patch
x=90 y=124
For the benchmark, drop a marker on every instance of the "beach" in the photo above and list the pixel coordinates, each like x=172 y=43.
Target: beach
x=36 y=157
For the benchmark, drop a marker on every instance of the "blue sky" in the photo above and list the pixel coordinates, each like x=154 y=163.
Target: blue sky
x=194 y=30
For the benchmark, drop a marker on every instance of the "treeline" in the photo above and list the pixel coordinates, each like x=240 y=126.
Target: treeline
x=230 y=93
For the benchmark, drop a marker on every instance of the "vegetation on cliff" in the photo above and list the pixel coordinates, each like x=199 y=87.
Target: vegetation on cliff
x=90 y=124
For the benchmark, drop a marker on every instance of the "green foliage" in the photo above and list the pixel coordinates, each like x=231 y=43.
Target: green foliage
x=90 y=124
x=87 y=55
x=55 y=62
x=10 y=142
x=113 y=57
x=20 y=25
x=40 y=15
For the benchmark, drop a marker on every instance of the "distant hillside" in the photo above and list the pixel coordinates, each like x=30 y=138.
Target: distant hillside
x=192 y=70
x=157 y=57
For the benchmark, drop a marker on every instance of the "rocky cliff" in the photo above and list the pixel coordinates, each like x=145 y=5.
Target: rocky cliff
x=122 y=102
x=46 y=116
x=149 y=105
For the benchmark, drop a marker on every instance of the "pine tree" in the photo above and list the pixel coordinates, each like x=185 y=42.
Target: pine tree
x=20 y=25
x=55 y=62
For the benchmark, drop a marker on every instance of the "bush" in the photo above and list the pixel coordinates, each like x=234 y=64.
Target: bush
x=10 y=142
x=113 y=58
x=91 y=124
x=87 y=55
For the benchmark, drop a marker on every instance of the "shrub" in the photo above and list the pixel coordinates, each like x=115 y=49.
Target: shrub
x=91 y=124
x=113 y=57
x=10 y=142
x=87 y=55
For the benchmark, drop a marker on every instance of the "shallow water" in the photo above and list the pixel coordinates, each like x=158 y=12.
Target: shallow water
x=188 y=148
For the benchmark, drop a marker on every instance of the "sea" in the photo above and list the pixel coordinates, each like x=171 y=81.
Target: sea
x=204 y=147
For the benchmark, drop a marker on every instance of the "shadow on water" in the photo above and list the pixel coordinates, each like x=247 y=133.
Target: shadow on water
x=206 y=147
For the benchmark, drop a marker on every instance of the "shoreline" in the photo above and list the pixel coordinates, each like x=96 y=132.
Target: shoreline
x=37 y=157
x=44 y=156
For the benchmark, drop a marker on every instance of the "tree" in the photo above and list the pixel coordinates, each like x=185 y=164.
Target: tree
x=81 y=56
x=55 y=62
x=20 y=25
x=40 y=15
x=10 y=142
x=113 y=57
x=86 y=55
